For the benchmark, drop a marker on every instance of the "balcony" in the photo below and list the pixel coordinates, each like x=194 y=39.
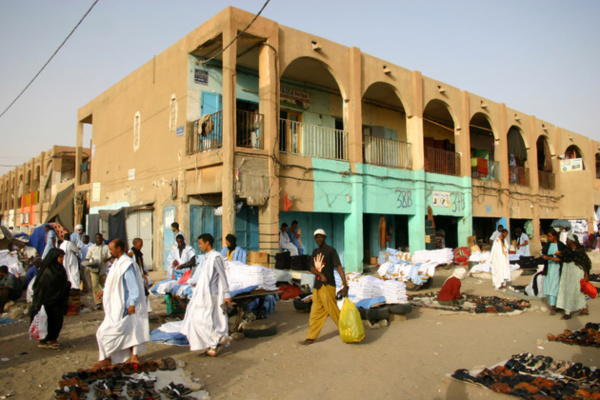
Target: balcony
x=519 y=175
x=547 y=180
x=490 y=170
x=312 y=140
x=207 y=132
x=442 y=161
x=387 y=152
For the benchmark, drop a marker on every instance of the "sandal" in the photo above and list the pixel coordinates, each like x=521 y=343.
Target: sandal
x=170 y=364
x=306 y=342
x=161 y=364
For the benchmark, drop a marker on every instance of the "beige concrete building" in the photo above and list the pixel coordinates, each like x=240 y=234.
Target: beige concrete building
x=232 y=131
x=29 y=191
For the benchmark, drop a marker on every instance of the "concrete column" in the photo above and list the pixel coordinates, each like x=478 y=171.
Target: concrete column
x=268 y=91
x=502 y=157
x=462 y=137
x=558 y=150
x=353 y=226
x=353 y=108
x=78 y=154
x=414 y=123
x=228 y=144
x=465 y=224
x=534 y=245
x=416 y=223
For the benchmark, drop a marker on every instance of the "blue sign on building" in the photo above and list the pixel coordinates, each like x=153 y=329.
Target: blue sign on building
x=180 y=130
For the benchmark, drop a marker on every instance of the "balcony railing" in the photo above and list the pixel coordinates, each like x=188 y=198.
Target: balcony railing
x=519 y=175
x=442 y=161
x=387 y=152
x=249 y=126
x=493 y=171
x=547 y=180
x=312 y=140
x=207 y=133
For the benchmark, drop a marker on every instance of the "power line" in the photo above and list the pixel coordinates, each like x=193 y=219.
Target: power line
x=238 y=35
x=50 y=59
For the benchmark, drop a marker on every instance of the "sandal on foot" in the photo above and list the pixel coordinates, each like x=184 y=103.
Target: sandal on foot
x=306 y=342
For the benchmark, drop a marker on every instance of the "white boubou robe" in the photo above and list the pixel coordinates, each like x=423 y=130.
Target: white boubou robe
x=205 y=324
x=71 y=263
x=117 y=334
x=500 y=263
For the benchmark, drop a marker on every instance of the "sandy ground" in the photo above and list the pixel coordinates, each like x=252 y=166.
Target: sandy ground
x=406 y=360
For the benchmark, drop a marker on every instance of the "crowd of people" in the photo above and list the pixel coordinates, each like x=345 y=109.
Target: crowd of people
x=117 y=277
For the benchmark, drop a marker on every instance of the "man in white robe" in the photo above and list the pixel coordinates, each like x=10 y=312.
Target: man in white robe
x=496 y=234
x=499 y=261
x=125 y=330
x=71 y=261
x=179 y=255
x=206 y=323
x=522 y=243
x=285 y=242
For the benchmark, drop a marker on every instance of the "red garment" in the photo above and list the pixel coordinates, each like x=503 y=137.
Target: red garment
x=287 y=292
x=185 y=277
x=450 y=290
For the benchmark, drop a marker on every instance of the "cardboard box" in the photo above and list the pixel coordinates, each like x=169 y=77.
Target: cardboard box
x=258 y=258
x=471 y=241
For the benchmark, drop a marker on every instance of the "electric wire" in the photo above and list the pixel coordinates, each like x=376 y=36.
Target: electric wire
x=50 y=59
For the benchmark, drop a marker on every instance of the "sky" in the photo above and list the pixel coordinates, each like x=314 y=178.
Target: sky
x=541 y=57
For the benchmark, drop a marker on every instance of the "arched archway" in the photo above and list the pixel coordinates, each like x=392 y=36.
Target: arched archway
x=312 y=111
x=572 y=153
x=517 y=157
x=483 y=148
x=384 y=127
x=546 y=178
x=438 y=139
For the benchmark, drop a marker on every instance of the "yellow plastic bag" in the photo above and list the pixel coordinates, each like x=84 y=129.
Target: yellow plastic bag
x=350 y=324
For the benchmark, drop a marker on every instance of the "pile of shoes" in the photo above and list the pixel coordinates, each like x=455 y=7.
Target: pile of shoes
x=114 y=382
x=537 y=377
x=483 y=304
x=588 y=336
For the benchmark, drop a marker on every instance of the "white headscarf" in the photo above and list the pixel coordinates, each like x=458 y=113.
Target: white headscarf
x=460 y=273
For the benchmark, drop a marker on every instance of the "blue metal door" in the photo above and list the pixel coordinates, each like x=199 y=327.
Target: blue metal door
x=204 y=220
x=246 y=228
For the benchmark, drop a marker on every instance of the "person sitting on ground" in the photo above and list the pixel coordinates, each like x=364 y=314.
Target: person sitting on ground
x=232 y=251
x=450 y=293
x=178 y=256
x=123 y=334
x=576 y=266
x=51 y=289
x=10 y=287
x=284 y=241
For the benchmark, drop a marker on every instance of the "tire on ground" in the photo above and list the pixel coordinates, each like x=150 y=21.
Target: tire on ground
x=374 y=314
x=400 y=308
x=257 y=329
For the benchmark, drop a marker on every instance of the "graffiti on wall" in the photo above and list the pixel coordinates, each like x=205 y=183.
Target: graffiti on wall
x=452 y=200
x=404 y=198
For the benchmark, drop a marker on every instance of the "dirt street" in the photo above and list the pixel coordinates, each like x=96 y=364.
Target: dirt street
x=406 y=360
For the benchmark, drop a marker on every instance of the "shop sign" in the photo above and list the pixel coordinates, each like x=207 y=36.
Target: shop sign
x=294 y=98
x=573 y=164
x=200 y=76
x=441 y=199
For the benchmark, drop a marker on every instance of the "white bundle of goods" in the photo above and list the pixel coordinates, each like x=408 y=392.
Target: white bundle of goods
x=440 y=257
x=365 y=287
x=240 y=275
x=11 y=260
x=395 y=292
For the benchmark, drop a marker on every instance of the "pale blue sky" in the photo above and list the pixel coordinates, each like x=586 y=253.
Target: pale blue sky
x=541 y=57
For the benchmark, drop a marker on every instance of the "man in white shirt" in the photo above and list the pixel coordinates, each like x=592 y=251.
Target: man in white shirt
x=179 y=255
x=99 y=255
x=71 y=262
x=522 y=243
x=496 y=234
x=284 y=241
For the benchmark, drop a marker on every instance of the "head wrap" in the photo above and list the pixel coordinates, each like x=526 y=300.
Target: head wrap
x=232 y=241
x=460 y=273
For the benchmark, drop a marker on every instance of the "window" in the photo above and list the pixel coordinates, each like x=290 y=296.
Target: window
x=136 y=131
x=173 y=114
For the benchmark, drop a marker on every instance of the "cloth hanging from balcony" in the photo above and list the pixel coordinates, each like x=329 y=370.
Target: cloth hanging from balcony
x=482 y=167
x=205 y=125
x=287 y=203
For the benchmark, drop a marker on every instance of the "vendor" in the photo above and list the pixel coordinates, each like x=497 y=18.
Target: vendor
x=450 y=293
x=232 y=251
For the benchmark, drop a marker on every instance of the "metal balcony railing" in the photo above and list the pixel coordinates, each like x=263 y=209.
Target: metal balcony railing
x=249 y=126
x=207 y=133
x=519 y=175
x=493 y=171
x=442 y=161
x=312 y=140
x=387 y=152
x=547 y=180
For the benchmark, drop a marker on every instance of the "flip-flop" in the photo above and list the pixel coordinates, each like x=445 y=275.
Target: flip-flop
x=170 y=363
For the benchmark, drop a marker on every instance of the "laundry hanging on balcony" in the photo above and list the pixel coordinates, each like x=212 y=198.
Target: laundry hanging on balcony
x=205 y=125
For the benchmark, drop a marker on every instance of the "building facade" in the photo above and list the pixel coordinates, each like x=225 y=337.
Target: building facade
x=28 y=193
x=228 y=134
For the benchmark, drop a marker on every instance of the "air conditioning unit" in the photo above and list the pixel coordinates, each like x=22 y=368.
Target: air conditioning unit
x=25 y=219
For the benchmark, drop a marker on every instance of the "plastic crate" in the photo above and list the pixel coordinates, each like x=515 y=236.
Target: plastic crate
x=175 y=305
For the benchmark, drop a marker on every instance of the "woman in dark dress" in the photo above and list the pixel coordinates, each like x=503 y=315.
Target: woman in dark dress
x=51 y=290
